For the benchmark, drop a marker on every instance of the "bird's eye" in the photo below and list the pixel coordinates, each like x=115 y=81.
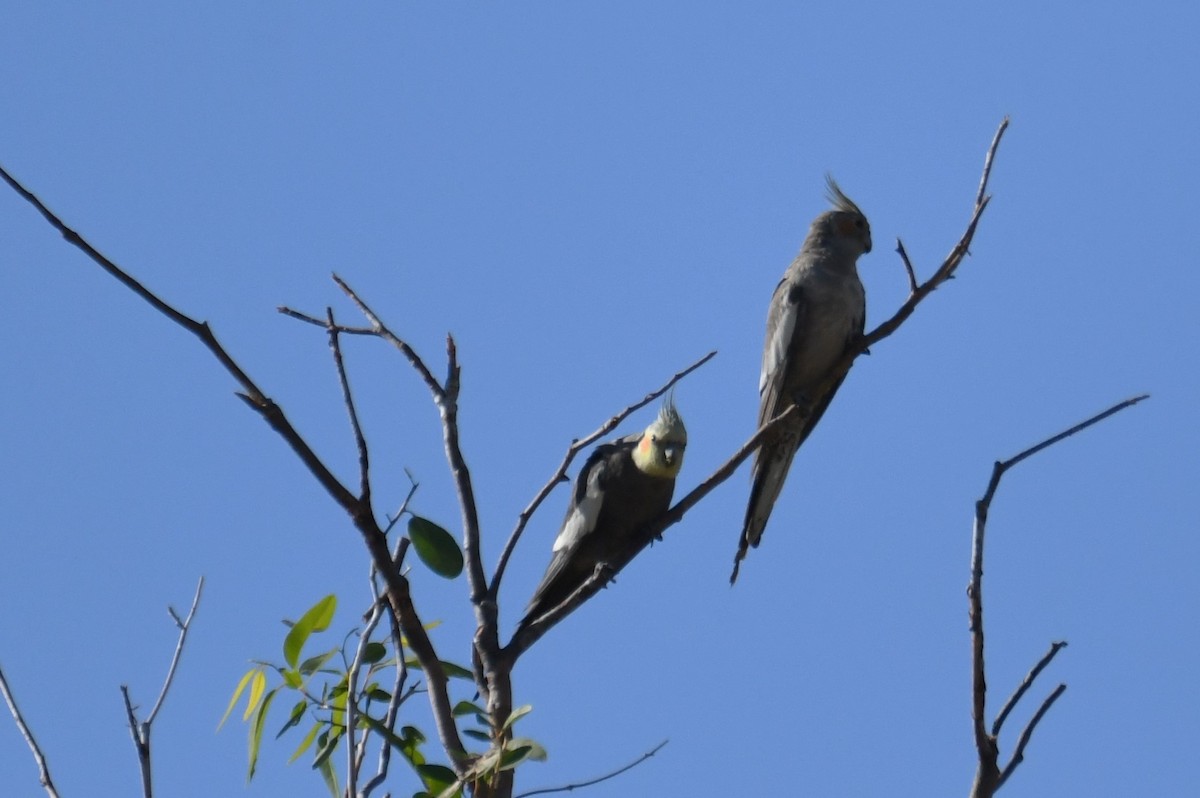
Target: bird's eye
x=654 y=439
x=860 y=224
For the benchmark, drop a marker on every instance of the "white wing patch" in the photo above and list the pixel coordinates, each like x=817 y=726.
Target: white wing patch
x=583 y=518
x=776 y=350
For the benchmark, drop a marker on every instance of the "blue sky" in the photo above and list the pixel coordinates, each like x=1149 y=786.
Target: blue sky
x=590 y=197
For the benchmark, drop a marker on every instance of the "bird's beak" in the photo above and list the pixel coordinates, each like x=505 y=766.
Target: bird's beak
x=671 y=454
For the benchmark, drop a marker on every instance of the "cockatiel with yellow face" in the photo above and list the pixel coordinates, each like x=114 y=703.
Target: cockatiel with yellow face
x=623 y=487
x=816 y=314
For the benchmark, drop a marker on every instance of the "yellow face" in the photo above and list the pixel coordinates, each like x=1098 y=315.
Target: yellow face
x=659 y=453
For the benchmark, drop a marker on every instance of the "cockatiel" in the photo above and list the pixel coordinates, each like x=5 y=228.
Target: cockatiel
x=816 y=314
x=624 y=486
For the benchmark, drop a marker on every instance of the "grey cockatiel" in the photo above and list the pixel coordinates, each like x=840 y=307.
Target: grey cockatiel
x=816 y=313
x=621 y=489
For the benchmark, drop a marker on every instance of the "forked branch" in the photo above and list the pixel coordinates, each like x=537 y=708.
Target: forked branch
x=989 y=775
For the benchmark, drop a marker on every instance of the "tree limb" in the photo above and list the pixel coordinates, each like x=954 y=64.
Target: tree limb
x=360 y=513
x=988 y=775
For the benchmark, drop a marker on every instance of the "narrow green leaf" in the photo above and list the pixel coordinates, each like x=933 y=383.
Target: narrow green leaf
x=517 y=714
x=327 y=746
x=436 y=547
x=316 y=662
x=306 y=742
x=317 y=619
x=467 y=708
x=296 y=716
x=237 y=693
x=478 y=735
x=258 y=684
x=405 y=744
x=452 y=670
x=292 y=678
x=329 y=773
x=256 y=732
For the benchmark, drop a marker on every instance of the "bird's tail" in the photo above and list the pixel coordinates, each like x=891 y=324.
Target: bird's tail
x=770 y=471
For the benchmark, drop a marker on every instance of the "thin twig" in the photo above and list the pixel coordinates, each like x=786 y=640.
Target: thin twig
x=356 y=751
x=560 y=475
x=30 y=740
x=183 y=626
x=605 y=777
x=381 y=330
x=1026 y=683
x=360 y=441
x=1019 y=752
x=908 y=267
x=324 y=324
x=140 y=730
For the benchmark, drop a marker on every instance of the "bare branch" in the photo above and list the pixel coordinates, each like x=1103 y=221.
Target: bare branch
x=908 y=267
x=360 y=442
x=140 y=731
x=355 y=748
x=27 y=733
x=360 y=512
x=1019 y=753
x=324 y=323
x=944 y=272
x=605 y=777
x=1026 y=683
x=381 y=330
x=988 y=776
x=183 y=626
x=560 y=475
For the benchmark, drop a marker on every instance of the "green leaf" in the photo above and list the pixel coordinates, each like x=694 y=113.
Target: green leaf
x=374 y=652
x=536 y=751
x=296 y=716
x=517 y=714
x=328 y=743
x=436 y=547
x=237 y=693
x=436 y=777
x=514 y=755
x=316 y=662
x=317 y=619
x=478 y=735
x=467 y=708
x=256 y=732
x=451 y=670
x=306 y=742
x=258 y=684
x=378 y=694
x=329 y=773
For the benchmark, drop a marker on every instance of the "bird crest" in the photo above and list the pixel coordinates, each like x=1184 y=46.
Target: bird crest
x=838 y=199
x=669 y=424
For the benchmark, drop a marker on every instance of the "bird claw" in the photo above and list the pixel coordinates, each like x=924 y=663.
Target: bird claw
x=605 y=572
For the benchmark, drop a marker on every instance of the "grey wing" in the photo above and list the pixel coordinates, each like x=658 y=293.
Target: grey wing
x=786 y=315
